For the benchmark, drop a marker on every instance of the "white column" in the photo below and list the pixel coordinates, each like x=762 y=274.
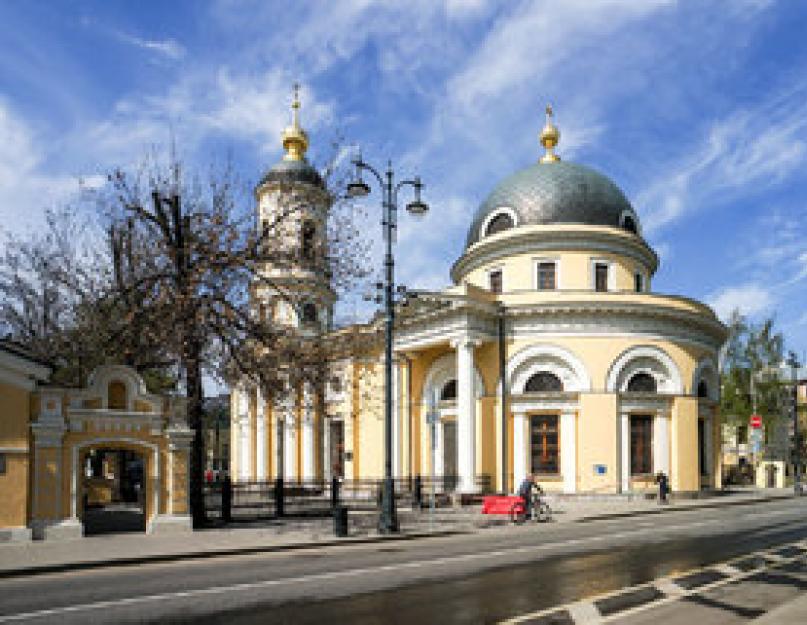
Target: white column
x=520 y=448
x=661 y=444
x=245 y=439
x=289 y=440
x=624 y=452
x=439 y=467
x=466 y=417
x=308 y=434
x=568 y=451
x=327 y=469
x=260 y=432
x=396 y=421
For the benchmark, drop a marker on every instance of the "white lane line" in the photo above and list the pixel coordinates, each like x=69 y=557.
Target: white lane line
x=215 y=590
x=726 y=569
x=584 y=613
x=669 y=587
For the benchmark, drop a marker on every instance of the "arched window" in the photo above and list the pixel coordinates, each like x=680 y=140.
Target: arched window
x=703 y=389
x=307 y=242
x=500 y=223
x=309 y=313
x=629 y=224
x=543 y=382
x=642 y=383
x=116 y=395
x=449 y=392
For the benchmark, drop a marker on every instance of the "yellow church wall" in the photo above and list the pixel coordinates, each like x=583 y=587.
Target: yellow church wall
x=486 y=438
x=14 y=424
x=573 y=271
x=684 y=443
x=597 y=442
x=14 y=491
x=369 y=445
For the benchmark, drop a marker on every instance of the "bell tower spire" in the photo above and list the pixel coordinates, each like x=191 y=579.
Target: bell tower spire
x=295 y=139
x=550 y=136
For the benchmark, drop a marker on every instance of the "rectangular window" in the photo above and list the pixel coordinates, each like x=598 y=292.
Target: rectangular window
x=495 y=278
x=546 y=276
x=600 y=277
x=638 y=282
x=2 y=464
x=641 y=445
x=742 y=434
x=544 y=444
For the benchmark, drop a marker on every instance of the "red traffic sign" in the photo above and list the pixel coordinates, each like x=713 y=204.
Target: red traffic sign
x=756 y=421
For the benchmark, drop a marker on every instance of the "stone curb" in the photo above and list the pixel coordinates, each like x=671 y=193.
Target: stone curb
x=673 y=508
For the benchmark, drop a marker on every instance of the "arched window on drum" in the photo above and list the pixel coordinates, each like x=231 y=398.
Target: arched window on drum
x=499 y=223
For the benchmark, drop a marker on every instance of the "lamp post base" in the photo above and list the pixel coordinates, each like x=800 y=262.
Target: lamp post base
x=388 y=520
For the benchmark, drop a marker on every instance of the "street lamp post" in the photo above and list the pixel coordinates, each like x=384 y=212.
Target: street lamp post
x=388 y=521
x=794 y=365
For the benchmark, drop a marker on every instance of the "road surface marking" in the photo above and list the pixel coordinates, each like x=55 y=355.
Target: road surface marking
x=216 y=590
x=666 y=585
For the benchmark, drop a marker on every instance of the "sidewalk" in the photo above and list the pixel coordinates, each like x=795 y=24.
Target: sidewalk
x=291 y=534
x=787 y=614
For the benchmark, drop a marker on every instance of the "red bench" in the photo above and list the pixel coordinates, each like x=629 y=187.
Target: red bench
x=511 y=505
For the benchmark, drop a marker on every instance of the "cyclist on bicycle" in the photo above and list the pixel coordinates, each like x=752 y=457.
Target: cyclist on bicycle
x=525 y=490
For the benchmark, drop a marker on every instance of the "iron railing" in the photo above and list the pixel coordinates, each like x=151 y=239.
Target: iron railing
x=227 y=501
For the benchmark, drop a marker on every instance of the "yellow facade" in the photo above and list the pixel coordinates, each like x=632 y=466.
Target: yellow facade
x=48 y=434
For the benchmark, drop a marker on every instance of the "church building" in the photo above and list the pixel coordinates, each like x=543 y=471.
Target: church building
x=549 y=355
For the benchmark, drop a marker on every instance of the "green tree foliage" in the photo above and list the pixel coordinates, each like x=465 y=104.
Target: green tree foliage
x=751 y=358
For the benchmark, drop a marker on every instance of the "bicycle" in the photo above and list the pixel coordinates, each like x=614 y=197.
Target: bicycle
x=540 y=512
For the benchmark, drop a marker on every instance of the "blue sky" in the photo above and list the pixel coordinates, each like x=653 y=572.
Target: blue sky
x=697 y=110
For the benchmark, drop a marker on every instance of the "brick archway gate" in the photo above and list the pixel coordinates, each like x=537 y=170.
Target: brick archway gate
x=114 y=411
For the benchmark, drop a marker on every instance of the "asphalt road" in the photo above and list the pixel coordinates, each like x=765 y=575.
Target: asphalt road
x=480 y=578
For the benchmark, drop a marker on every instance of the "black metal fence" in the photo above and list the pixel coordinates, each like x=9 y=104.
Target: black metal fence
x=227 y=501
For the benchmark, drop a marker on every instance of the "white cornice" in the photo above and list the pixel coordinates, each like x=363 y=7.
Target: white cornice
x=528 y=240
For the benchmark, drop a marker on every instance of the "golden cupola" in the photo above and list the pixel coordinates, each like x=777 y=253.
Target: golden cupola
x=550 y=136
x=295 y=139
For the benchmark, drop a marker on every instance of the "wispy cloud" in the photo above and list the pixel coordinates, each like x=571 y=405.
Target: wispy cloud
x=26 y=187
x=747 y=152
x=169 y=48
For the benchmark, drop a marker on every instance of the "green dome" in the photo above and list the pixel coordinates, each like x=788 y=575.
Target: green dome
x=556 y=193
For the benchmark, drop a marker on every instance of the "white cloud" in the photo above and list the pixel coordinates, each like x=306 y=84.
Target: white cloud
x=748 y=299
x=521 y=48
x=26 y=189
x=168 y=48
x=748 y=151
